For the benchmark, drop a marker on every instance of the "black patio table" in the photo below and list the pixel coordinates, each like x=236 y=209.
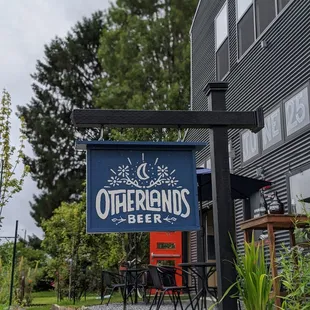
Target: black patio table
x=208 y=269
x=132 y=277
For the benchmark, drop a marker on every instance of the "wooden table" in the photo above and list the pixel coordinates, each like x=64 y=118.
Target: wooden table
x=272 y=223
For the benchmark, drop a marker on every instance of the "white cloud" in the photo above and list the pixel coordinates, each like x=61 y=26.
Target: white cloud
x=25 y=26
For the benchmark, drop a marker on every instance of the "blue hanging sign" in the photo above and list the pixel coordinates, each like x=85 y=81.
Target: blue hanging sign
x=141 y=186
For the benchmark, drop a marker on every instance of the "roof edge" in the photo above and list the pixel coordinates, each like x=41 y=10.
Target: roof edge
x=196 y=12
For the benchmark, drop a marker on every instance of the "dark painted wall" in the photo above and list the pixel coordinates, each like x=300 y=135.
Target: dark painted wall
x=262 y=77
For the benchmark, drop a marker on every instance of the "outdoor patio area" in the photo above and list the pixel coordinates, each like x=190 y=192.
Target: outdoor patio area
x=140 y=306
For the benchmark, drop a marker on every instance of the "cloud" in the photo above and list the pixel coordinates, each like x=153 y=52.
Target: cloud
x=25 y=26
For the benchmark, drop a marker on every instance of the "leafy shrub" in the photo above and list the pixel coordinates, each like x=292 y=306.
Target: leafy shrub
x=26 y=277
x=294 y=264
x=254 y=282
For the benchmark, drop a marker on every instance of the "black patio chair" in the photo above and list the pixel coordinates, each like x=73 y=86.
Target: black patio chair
x=172 y=272
x=111 y=282
x=164 y=280
x=138 y=280
x=148 y=286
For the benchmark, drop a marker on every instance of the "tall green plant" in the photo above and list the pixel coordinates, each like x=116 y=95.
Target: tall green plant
x=5 y=272
x=26 y=278
x=295 y=276
x=10 y=156
x=294 y=263
x=254 y=282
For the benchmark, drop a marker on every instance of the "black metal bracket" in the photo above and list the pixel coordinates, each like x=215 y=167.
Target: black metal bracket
x=89 y=118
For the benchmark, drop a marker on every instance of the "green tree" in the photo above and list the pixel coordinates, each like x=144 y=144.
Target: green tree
x=71 y=249
x=145 y=54
x=62 y=81
x=5 y=271
x=10 y=156
x=145 y=50
x=31 y=255
x=30 y=264
x=34 y=242
x=74 y=252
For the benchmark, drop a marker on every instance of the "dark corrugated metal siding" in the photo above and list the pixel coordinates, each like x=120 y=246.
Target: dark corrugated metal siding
x=193 y=241
x=262 y=77
x=193 y=250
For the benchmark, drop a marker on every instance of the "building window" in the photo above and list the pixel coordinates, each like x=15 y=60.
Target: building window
x=242 y=6
x=265 y=12
x=300 y=191
x=297 y=112
x=222 y=61
x=246 y=31
x=221 y=43
x=282 y=4
x=253 y=17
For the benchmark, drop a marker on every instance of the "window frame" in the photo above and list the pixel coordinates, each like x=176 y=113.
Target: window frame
x=284 y=8
x=216 y=49
x=237 y=23
x=256 y=35
x=228 y=55
x=289 y=174
x=241 y=16
x=256 y=38
x=215 y=29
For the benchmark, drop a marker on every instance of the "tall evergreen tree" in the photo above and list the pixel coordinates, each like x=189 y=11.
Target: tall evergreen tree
x=145 y=51
x=62 y=81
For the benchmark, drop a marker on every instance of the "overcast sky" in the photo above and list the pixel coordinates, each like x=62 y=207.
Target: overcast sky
x=25 y=26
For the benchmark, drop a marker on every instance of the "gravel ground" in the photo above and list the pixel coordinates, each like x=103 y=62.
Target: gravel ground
x=139 y=306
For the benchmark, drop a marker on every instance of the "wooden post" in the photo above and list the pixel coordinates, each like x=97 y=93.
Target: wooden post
x=274 y=271
x=292 y=238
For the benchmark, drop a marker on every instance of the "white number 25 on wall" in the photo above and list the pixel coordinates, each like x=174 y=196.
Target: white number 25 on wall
x=297 y=112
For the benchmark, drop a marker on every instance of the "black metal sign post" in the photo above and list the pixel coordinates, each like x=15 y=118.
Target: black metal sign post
x=223 y=211
x=219 y=121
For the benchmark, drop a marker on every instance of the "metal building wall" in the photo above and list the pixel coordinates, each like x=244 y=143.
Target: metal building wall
x=262 y=77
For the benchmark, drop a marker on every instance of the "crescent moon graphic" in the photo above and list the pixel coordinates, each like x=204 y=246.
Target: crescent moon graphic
x=141 y=172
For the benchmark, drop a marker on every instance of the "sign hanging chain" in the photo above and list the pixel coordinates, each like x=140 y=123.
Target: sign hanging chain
x=179 y=134
x=104 y=132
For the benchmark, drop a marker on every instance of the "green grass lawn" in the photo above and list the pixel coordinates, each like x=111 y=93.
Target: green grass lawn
x=44 y=300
